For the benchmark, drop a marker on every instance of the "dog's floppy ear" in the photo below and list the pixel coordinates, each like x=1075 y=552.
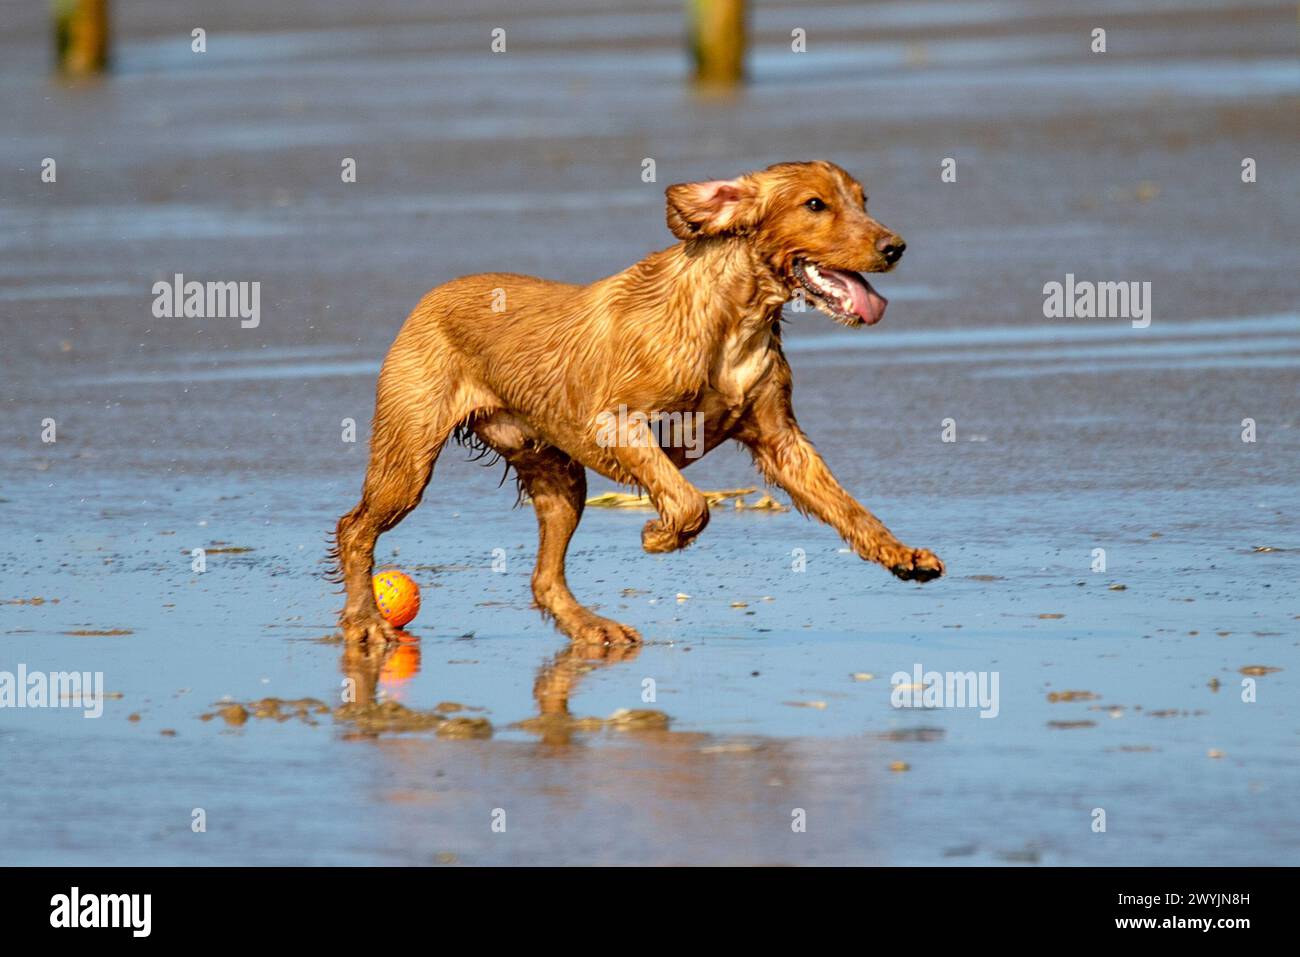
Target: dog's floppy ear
x=712 y=208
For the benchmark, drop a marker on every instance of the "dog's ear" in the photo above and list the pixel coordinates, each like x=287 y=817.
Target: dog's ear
x=712 y=208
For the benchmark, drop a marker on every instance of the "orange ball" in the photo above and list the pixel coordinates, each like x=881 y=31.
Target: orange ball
x=397 y=596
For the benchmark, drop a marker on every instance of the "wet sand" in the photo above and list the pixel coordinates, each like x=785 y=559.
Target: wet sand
x=1072 y=435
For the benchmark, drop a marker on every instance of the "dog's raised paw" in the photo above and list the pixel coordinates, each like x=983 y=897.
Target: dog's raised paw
x=922 y=565
x=658 y=537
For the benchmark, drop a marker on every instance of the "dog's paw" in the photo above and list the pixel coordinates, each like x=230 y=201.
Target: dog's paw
x=368 y=628
x=588 y=628
x=658 y=537
x=916 y=564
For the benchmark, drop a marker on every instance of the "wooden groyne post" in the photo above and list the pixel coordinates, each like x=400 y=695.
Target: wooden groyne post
x=81 y=36
x=717 y=38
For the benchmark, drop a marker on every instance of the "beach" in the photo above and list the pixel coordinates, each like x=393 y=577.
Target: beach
x=1116 y=503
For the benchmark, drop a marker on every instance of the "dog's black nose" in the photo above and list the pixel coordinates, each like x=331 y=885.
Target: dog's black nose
x=891 y=247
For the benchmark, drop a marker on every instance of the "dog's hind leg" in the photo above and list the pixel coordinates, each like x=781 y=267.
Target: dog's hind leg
x=413 y=419
x=557 y=486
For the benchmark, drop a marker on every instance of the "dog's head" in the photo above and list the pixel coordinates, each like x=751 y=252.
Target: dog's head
x=808 y=222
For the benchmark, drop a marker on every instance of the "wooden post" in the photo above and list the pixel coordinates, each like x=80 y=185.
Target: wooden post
x=717 y=38
x=81 y=36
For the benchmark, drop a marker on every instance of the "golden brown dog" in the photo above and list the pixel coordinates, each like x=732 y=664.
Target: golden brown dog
x=532 y=368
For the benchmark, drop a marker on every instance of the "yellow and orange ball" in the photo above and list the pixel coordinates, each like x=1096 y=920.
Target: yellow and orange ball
x=397 y=596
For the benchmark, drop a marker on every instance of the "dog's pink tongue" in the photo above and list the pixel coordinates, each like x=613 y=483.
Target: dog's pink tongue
x=868 y=304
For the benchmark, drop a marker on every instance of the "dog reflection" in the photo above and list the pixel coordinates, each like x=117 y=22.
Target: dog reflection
x=370 y=667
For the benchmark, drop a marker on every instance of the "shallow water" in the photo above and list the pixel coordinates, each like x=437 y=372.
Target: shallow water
x=1071 y=435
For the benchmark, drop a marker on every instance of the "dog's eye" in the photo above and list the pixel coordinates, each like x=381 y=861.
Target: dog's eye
x=815 y=204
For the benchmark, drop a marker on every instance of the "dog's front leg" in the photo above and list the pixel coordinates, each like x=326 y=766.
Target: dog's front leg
x=683 y=510
x=786 y=458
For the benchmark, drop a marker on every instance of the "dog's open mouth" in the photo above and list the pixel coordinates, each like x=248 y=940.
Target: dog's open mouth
x=844 y=296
